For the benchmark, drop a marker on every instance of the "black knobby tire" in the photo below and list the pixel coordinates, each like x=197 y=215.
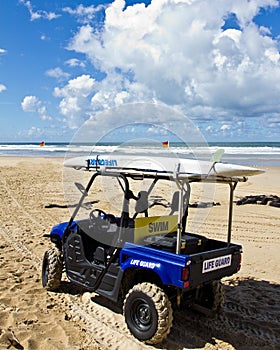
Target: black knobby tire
x=212 y=296
x=52 y=269
x=148 y=313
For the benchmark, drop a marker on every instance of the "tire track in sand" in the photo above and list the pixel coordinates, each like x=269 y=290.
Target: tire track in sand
x=101 y=325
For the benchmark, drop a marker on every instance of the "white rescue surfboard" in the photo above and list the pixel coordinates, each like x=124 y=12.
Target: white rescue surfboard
x=154 y=163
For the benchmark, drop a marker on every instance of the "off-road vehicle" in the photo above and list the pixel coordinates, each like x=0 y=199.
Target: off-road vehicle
x=149 y=263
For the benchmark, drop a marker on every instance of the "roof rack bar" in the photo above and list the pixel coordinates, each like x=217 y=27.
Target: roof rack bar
x=169 y=175
x=232 y=186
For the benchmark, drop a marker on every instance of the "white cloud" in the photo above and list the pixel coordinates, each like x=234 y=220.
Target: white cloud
x=40 y=14
x=57 y=73
x=81 y=85
x=273 y=54
x=2 y=87
x=209 y=128
x=138 y=120
x=120 y=98
x=74 y=62
x=225 y=127
x=265 y=30
x=84 y=13
x=30 y=133
x=2 y=51
x=29 y=103
x=247 y=10
x=33 y=104
x=176 y=52
x=34 y=131
x=75 y=103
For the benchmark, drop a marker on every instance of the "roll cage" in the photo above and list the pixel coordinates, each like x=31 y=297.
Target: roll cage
x=180 y=199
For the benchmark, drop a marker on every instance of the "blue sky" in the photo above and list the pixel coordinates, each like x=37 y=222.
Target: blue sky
x=216 y=61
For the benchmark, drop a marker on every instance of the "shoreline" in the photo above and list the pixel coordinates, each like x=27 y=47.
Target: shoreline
x=266 y=153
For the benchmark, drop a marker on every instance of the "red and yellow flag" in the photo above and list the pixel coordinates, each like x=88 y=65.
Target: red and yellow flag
x=42 y=143
x=165 y=144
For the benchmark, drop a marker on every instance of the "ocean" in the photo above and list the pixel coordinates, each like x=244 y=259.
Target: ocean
x=244 y=153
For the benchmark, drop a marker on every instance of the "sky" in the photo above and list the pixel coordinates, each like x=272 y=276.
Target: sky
x=64 y=62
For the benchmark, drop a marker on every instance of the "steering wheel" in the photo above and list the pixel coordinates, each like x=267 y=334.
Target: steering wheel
x=103 y=223
x=99 y=212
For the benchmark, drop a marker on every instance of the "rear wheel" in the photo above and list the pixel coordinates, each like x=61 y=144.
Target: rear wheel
x=211 y=296
x=148 y=313
x=52 y=269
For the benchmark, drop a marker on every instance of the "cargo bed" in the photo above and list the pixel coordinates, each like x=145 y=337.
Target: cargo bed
x=210 y=259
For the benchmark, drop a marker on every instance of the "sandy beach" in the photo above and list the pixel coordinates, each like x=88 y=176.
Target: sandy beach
x=32 y=201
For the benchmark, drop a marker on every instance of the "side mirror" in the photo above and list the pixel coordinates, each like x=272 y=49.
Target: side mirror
x=81 y=188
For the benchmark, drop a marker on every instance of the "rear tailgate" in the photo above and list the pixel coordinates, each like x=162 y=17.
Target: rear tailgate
x=214 y=264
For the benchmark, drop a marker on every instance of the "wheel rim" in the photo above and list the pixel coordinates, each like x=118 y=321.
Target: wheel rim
x=141 y=315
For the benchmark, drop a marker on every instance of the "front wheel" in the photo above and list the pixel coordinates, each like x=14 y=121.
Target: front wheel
x=52 y=269
x=148 y=313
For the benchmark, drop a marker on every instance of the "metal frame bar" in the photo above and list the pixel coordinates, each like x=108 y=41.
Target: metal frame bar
x=180 y=179
x=232 y=186
x=138 y=173
x=85 y=193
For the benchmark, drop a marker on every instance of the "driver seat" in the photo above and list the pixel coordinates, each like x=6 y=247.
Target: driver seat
x=174 y=206
x=142 y=204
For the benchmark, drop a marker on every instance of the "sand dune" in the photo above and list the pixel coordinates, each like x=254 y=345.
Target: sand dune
x=32 y=201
